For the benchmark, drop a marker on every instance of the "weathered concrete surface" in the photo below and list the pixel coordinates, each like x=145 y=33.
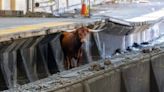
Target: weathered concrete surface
x=133 y=72
x=16 y=28
x=108 y=82
x=127 y=71
x=10 y=13
x=136 y=77
x=118 y=14
x=158 y=72
x=30 y=59
x=134 y=69
x=74 y=88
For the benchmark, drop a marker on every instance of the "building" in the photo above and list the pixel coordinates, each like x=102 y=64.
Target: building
x=42 y=5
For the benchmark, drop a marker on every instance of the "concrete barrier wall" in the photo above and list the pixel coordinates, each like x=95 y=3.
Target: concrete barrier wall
x=136 y=75
x=157 y=66
x=28 y=60
x=31 y=59
x=108 y=82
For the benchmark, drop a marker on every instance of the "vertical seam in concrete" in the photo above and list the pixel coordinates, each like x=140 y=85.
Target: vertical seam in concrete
x=86 y=86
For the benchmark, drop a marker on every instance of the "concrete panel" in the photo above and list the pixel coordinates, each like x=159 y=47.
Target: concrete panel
x=74 y=88
x=157 y=64
x=117 y=29
x=2 y=77
x=109 y=43
x=57 y=51
x=21 y=71
x=64 y=90
x=95 y=53
x=90 y=49
x=9 y=63
x=0 y=4
x=77 y=88
x=2 y=82
x=13 y=4
x=32 y=59
x=135 y=77
x=61 y=90
x=27 y=56
x=21 y=5
x=108 y=82
x=46 y=51
x=13 y=60
x=5 y=4
x=39 y=66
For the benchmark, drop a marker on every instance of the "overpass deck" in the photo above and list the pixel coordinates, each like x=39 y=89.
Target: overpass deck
x=127 y=64
x=125 y=14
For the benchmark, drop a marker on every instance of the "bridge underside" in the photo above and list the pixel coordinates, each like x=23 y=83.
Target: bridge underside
x=29 y=59
x=31 y=56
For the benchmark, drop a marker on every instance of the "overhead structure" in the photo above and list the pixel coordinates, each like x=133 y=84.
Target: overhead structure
x=25 y=41
x=45 y=5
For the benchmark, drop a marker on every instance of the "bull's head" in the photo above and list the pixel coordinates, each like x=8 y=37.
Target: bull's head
x=83 y=33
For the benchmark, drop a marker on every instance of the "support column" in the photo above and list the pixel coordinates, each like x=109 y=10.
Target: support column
x=0 y=4
x=33 y=5
x=67 y=2
x=13 y=4
x=6 y=4
x=27 y=5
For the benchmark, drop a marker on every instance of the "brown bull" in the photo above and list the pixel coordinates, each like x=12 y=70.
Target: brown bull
x=71 y=43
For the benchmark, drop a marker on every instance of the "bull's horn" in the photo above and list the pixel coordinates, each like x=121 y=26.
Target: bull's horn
x=98 y=30
x=70 y=30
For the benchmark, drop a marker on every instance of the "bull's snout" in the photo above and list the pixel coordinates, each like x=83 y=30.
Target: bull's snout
x=85 y=39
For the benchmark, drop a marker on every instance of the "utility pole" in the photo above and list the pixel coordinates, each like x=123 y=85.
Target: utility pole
x=0 y=4
x=27 y=5
x=67 y=2
x=89 y=8
x=33 y=5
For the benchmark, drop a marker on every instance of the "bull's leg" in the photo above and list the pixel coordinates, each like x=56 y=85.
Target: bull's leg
x=79 y=56
x=66 y=63
x=69 y=61
x=72 y=62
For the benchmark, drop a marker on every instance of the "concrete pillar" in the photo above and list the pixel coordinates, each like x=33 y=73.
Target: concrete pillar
x=67 y=3
x=13 y=4
x=21 y=5
x=0 y=4
x=129 y=40
x=5 y=4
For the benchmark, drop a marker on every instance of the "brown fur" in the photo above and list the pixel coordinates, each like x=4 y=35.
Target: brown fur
x=71 y=43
